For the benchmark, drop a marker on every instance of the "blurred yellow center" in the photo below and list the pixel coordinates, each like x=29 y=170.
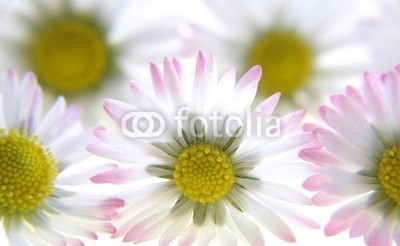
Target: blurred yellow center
x=70 y=56
x=204 y=173
x=27 y=173
x=389 y=172
x=286 y=60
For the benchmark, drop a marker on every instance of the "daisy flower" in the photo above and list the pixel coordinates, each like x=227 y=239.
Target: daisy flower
x=39 y=205
x=306 y=48
x=359 y=160
x=82 y=48
x=208 y=174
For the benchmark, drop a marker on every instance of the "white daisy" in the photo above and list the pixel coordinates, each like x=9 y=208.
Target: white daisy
x=306 y=48
x=203 y=178
x=359 y=160
x=80 y=47
x=38 y=202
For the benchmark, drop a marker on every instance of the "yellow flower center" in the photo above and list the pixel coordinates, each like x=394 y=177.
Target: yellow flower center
x=389 y=172
x=27 y=173
x=286 y=60
x=70 y=56
x=204 y=173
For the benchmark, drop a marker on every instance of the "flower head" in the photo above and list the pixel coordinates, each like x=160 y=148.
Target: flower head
x=80 y=49
x=208 y=172
x=358 y=160
x=303 y=55
x=38 y=196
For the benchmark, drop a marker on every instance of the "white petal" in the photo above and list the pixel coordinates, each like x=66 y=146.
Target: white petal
x=50 y=120
x=176 y=228
x=342 y=149
x=226 y=237
x=275 y=190
x=396 y=233
x=10 y=93
x=248 y=229
x=208 y=231
x=189 y=235
x=292 y=214
x=31 y=102
x=246 y=87
x=269 y=219
x=352 y=209
x=205 y=83
x=226 y=87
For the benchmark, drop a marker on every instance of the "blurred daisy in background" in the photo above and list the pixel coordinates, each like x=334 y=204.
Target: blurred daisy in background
x=359 y=160
x=382 y=33
x=306 y=48
x=204 y=179
x=82 y=49
x=39 y=201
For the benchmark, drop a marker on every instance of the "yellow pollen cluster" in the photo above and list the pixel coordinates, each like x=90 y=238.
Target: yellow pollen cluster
x=286 y=60
x=204 y=173
x=70 y=56
x=389 y=172
x=27 y=173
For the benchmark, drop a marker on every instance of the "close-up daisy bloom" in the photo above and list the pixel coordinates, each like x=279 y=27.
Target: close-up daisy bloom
x=306 y=48
x=84 y=49
x=358 y=160
x=39 y=201
x=208 y=176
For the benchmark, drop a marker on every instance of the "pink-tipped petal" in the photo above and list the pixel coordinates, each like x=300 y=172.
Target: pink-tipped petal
x=109 y=206
x=360 y=224
x=334 y=144
x=112 y=203
x=314 y=182
x=108 y=228
x=356 y=97
x=172 y=80
x=309 y=127
x=117 y=110
x=116 y=175
x=144 y=99
x=158 y=83
x=318 y=156
x=178 y=68
x=252 y=76
x=323 y=199
x=335 y=227
x=246 y=88
x=373 y=99
x=189 y=236
x=291 y=121
x=134 y=233
x=266 y=108
x=351 y=210
x=205 y=82
x=392 y=92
